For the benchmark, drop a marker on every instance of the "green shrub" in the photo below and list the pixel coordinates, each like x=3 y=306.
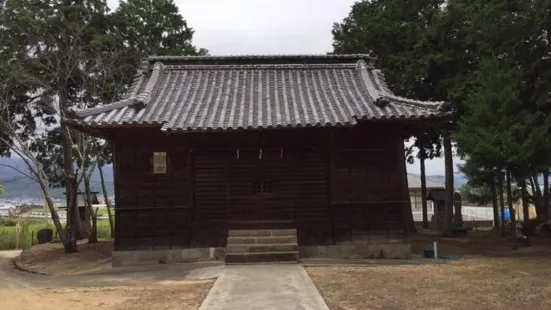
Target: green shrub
x=29 y=228
x=7 y=222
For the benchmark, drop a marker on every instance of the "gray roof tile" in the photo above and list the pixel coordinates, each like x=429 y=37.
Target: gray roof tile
x=249 y=92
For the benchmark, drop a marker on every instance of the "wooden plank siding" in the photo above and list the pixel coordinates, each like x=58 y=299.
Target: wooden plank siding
x=333 y=185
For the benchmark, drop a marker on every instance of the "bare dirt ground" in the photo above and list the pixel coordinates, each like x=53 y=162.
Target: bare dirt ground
x=176 y=286
x=185 y=296
x=50 y=259
x=488 y=275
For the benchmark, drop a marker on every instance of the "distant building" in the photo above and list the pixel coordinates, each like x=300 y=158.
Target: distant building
x=414 y=185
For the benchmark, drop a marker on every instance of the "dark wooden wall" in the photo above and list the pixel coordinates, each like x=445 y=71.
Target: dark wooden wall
x=334 y=185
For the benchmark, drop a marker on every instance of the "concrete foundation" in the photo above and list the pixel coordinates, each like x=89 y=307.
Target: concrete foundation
x=151 y=257
x=336 y=251
x=357 y=251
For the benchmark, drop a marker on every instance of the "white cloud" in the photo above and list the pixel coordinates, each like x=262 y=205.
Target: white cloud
x=269 y=27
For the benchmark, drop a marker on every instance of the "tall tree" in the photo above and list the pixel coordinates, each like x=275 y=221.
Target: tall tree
x=412 y=52
x=152 y=27
x=56 y=44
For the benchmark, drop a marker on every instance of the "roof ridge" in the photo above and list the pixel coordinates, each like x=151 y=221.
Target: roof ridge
x=143 y=98
x=260 y=66
x=374 y=90
x=266 y=56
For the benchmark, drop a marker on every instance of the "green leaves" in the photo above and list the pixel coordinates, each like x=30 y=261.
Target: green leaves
x=505 y=121
x=491 y=59
x=394 y=31
x=62 y=54
x=409 y=50
x=153 y=27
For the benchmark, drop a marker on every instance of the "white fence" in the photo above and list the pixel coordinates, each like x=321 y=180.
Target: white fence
x=470 y=213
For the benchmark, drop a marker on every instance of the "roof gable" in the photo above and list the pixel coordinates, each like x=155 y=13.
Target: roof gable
x=250 y=92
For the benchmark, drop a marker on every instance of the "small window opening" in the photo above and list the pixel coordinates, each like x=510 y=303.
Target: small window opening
x=267 y=187
x=262 y=187
x=159 y=162
x=256 y=188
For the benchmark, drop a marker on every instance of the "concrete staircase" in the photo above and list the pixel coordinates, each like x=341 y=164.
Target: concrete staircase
x=261 y=246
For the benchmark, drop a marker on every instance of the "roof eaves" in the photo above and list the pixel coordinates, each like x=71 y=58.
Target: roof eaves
x=376 y=86
x=104 y=108
x=138 y=100
x=377 y=77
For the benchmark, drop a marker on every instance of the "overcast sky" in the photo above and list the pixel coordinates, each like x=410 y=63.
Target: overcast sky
x=236 y=27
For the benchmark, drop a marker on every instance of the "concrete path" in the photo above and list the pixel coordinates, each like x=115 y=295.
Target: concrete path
x=7 y=270
x=264 y=287
x=11 y=278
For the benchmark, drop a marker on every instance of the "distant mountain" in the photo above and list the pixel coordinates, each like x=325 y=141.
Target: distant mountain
x=21 y=187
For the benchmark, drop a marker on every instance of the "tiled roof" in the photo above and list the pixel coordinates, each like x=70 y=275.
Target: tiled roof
x=414 y=182
x=250 y=92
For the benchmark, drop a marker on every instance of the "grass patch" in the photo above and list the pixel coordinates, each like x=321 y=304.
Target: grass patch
x=101 y=211
x=29 y=228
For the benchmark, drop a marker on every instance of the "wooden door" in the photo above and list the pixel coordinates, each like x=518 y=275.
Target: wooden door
x=261 y=189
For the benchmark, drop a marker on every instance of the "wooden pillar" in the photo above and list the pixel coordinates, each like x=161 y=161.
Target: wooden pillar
x=448 y=207
x=329 y=165
x=407 y=216
x=114 y=144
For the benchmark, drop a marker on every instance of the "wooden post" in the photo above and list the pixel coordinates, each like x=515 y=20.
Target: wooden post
x=407 y=216
x=495 y=207
x=329 y=161
x=511 y=210
x=17 y=232
x=448 y=204
x=501 y=201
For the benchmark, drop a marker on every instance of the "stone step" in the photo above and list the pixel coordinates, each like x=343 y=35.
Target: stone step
x=262 y=240
x=261 y=232
x=264 y=257
x=258 y=248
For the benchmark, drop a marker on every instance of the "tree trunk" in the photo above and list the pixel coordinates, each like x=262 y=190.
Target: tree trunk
x=107 y=202
x=448 y=207
x=53 y=212
x=70 y=245
x=511 y=210
x=93 y=237
x=71 y=187
x=495 y=208
x=423 y=189
x=541 y=211
x=525 y=210
x=533 y=188
x=501 y=201
x=546 y=192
